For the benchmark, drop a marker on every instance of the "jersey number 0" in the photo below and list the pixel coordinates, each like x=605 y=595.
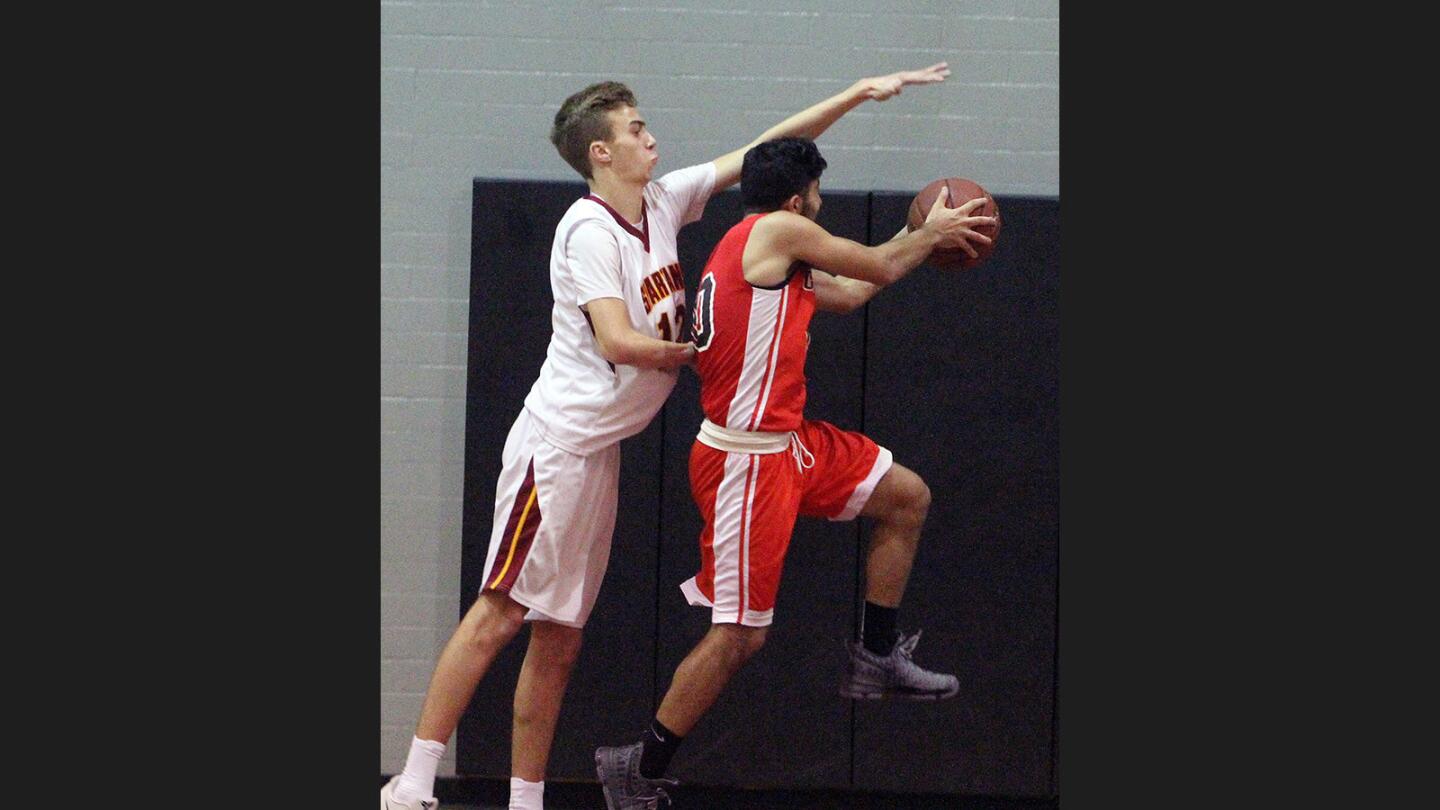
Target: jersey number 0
x=702 y=329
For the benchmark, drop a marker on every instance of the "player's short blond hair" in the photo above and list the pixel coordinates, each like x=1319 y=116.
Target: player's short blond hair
x=582 y=120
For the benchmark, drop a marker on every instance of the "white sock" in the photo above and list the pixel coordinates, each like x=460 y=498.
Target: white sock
x=418 y=780
x=526 y=795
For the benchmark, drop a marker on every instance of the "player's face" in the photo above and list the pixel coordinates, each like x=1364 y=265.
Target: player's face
x=632 y=147
x=811 y=206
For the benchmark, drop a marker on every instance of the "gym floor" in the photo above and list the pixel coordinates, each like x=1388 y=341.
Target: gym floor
x=491 y=794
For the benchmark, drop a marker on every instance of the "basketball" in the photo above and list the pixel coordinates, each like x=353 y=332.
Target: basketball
x=961 y=192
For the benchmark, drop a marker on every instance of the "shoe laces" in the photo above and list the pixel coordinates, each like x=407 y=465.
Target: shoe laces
x=655 y=787
x=906 y=645
x=652 y=802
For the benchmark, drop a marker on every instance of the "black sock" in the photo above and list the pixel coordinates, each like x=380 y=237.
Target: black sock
x=879 y=624
x=658 y=746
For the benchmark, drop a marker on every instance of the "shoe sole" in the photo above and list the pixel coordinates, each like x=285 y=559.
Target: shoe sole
x=600 y=773
x=855 y=693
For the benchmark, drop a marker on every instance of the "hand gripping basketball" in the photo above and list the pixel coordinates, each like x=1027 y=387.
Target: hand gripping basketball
x=976 y=225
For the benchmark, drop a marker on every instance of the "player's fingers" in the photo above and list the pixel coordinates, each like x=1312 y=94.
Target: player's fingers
x=976 y=236
x=939 y=200
x=971 y=205
x=935 y=73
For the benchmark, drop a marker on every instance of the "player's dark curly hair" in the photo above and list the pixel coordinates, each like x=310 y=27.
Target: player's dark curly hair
x=776 y=170
x=581 y=121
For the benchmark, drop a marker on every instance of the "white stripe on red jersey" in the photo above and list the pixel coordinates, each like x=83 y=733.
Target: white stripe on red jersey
x=752 y=341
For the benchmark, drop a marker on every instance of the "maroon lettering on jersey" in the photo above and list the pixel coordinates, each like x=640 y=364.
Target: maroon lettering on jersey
x=661 y=284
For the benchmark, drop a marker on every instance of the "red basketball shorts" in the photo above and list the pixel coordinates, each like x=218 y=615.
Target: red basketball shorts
x=749 y=502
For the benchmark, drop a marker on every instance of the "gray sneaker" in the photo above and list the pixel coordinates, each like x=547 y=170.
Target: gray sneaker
x=871 y=676
x=625 y=788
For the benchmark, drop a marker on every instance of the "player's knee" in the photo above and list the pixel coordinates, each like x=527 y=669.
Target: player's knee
x=496 y=632
x=741 y=641
x=755 y=639
x=567 y=653
x=559 y=646
x=914 y=502
x=920 y=499
x=492 y=622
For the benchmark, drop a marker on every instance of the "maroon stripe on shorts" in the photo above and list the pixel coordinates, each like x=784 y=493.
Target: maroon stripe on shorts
x=513 y=548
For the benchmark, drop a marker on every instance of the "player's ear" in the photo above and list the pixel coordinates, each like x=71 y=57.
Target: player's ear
x=796 y=204
x=599 y=153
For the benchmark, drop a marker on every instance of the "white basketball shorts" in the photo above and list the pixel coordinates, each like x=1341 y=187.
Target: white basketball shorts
x=554 y=518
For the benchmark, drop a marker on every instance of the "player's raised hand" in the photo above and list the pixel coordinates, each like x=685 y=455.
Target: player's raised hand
x=880 y=88
x=956 y=224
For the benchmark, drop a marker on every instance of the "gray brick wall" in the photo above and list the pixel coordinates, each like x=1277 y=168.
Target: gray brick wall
x=468 y=89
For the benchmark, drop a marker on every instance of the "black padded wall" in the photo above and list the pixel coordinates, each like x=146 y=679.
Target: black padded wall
x=957 y=373
x=962 y=385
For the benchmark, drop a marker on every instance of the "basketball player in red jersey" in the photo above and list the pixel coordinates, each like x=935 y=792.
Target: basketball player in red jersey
x=757 y=463
x=612 y=361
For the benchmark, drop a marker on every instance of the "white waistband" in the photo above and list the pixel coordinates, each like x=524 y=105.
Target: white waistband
x=742 y=441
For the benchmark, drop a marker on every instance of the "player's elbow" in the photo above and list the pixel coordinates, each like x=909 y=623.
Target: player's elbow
x=846 y=304
x=612 y=349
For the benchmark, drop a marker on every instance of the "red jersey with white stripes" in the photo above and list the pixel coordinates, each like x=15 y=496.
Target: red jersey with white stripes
x=751 y=340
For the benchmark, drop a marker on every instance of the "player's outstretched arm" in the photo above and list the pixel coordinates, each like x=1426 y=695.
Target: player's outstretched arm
x=813 y=120
x=792 y=237
x=840 y=294
x=620 y=344
x=844 y=295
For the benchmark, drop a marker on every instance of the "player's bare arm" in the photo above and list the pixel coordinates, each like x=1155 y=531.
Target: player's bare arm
x=620 y=344
x=840 y=294
x=845 y=295
x=785 y=237
x=813 y=120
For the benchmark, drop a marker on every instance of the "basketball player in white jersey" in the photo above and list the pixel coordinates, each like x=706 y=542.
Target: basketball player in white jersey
x=612 y=360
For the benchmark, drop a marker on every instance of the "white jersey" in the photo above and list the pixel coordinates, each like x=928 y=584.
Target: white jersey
x=582 y=402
